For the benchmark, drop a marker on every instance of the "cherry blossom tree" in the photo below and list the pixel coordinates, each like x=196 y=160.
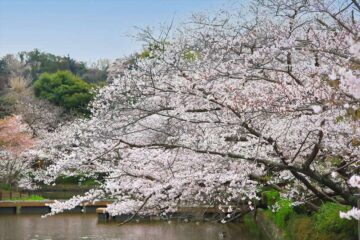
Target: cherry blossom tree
x=223 y=106
x=39 y=115
x=15 y=140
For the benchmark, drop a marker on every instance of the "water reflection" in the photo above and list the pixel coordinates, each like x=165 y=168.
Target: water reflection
x=85 y=226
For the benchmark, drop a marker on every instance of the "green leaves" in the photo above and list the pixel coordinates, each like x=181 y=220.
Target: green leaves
x=327 y=220
x=191 y=56
x=64 y=89
x=270 y=197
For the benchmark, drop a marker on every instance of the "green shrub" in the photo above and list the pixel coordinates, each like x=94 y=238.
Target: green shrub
x=270 y=197
x=283 y=213
x=283 y=207
x=64 y=89
x=191 y=56
x=327 y=220
x=145 y=54
x=325 y=224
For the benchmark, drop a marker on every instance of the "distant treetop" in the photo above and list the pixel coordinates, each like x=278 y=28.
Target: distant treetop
x=64 y=89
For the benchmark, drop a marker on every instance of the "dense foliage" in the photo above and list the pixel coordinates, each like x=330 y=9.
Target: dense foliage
x=327 y=219
x=303 y=227
x=64 y=89
x=298 y=223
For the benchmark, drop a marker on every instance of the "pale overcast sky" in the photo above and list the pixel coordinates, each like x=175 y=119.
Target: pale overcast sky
x=88 y=29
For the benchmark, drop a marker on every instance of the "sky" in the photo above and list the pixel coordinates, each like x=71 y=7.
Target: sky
x=88 y=30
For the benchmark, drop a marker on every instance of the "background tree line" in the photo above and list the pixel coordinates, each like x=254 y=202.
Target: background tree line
x=35 y=62
x=62 y=81
x=39 y=92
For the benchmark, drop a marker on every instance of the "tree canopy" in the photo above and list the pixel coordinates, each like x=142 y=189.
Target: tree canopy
x=64 y=89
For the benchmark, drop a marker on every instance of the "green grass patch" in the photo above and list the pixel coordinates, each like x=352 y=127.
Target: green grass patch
x=283 y=213
x=270 y=197
x=327 y=220
x=28 y=198
x=283 y=207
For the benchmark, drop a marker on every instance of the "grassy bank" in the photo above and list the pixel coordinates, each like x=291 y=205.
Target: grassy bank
x=297 y=223
x=26 y=198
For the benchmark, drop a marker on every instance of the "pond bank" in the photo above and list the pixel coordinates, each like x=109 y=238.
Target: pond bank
x=306 y=227
x=41 y=207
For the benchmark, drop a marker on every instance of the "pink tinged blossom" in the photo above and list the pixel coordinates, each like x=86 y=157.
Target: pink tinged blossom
x=355 y=181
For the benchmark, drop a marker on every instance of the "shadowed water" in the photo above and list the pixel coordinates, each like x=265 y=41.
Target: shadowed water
x=85 y=226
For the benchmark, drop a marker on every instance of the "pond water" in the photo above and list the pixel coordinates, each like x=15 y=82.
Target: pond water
x=85 y=226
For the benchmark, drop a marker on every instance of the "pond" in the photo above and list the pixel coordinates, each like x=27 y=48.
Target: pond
x=85 y=226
